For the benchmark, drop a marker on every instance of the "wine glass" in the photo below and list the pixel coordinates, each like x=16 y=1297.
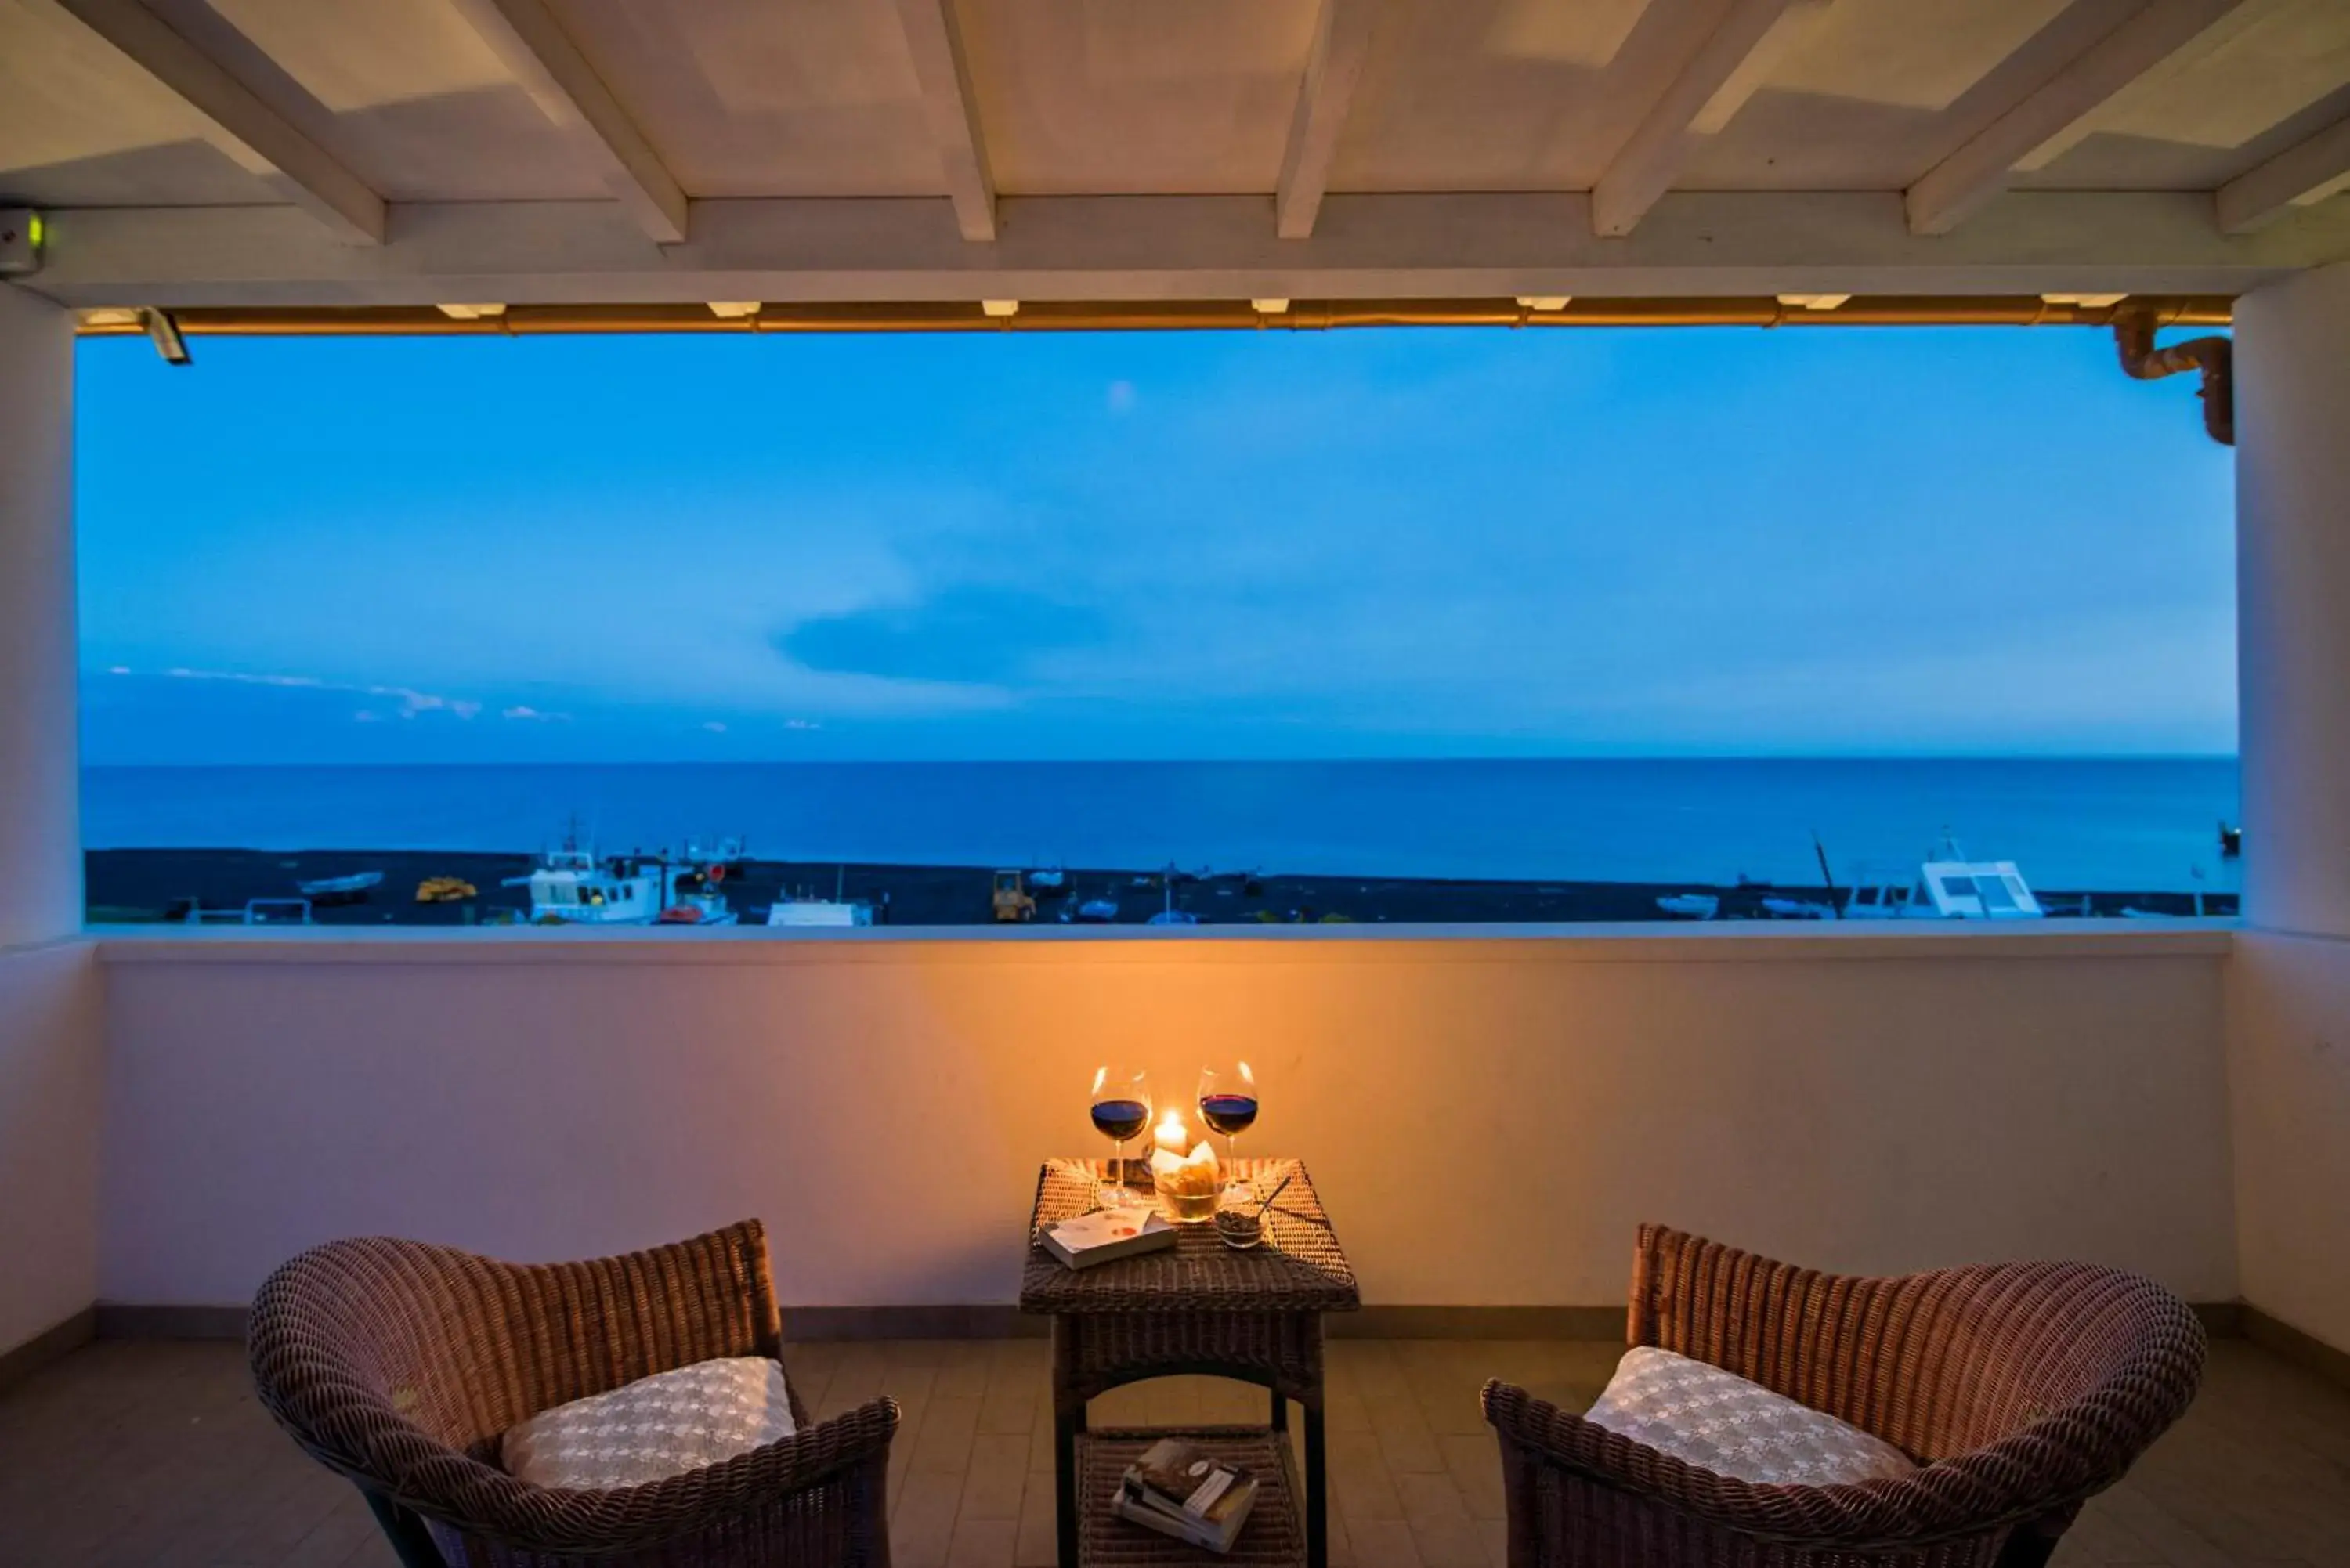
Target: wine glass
x=1121 y=1108
x=1228 y=1105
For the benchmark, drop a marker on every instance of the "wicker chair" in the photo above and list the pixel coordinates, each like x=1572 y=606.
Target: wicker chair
x=2020 y=1389
x=400 y=1365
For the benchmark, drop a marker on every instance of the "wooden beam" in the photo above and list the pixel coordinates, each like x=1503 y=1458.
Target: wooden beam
x=2306 y=172
x=532 y=44
x=309 y=174
x=1342 y=43
x=1957 y=187
x=1692 y=244
x=934 y=38
x=1723 y=71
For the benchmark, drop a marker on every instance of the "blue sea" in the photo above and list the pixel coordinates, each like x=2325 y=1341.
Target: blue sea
x=2136 y=825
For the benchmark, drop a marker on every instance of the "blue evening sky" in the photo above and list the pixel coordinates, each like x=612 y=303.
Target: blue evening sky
x=1405 y=543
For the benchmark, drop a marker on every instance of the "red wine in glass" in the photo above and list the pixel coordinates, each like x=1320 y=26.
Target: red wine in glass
x=1121 y=1119
x=1228 y=1105
x=1120 y=1109
x=1229 y=1113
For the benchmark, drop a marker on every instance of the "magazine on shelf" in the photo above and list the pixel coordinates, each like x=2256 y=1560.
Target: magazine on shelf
x=1181 y=1490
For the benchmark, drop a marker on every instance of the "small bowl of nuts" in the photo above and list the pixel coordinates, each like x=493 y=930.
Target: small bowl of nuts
x=1240 y=1216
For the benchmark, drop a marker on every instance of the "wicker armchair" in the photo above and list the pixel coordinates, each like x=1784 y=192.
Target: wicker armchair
x=399 y=1365
x=2020 y=1389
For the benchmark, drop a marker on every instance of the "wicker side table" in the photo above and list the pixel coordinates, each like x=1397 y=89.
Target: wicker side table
x=1200 y=1308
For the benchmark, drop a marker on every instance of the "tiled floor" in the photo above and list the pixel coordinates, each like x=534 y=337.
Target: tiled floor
x=157 y=1454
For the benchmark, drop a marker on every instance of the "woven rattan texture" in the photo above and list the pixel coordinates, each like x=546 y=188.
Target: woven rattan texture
x=399 y=1365
x=1272 y=1537
x=1300 y=1268
x=2023 y=1388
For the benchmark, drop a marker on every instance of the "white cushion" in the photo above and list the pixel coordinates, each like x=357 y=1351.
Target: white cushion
x=1718 y=1421
x=660 y=1426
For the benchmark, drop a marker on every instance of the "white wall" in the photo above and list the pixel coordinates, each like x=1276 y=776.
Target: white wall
x=1488 y=1119
x=2289 y=984
x=50 y=1098
x=40 y=820
x=2289 y=1072
x=48 y=980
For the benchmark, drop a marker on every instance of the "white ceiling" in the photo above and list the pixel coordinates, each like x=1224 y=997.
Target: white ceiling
x=324 y=107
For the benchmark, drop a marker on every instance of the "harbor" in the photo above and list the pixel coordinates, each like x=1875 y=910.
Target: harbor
x=157 y=886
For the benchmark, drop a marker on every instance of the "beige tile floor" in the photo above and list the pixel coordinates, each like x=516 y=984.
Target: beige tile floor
x=157 y=1454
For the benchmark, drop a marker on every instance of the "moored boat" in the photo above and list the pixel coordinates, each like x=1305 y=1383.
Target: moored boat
x=351 y=889
x=571 y=887
x=1690 y=906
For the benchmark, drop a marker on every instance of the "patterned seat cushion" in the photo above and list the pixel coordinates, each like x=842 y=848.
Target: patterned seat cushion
x=1718 y=1421
x=660 y=1426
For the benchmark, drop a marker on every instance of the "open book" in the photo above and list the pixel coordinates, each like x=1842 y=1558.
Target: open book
x=1181 y=1490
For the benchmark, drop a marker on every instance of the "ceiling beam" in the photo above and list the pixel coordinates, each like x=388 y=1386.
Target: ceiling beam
x=1723 y=71
x=309 y=174
x=934 y=38
x=1692 y=244
x=1342 y=43
x=532 y=44
x=2306 y=172
x=1959 y=185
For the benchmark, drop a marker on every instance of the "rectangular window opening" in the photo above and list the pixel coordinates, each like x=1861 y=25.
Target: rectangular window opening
x=1398 y=625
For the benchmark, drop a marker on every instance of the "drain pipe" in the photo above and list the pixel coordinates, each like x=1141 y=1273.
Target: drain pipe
x=2214 y=357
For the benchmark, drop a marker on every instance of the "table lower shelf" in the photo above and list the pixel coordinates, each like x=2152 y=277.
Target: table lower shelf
x=1274 y=1537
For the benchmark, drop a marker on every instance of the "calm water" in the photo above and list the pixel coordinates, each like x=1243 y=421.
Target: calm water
x=2137 y=824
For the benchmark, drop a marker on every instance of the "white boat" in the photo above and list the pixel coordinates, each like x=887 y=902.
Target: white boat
x=818 y=912
x=571 y=887
x=1797 y=910
x=1950 y=887
x=1690 y=906
x=351 y=889
x=1097 y=911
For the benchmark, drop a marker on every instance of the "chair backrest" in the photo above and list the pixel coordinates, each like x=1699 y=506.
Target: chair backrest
x=372 y=1351
x=2093 y=1362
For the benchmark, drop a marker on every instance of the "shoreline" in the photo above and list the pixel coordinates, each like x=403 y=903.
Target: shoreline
x=157 y=885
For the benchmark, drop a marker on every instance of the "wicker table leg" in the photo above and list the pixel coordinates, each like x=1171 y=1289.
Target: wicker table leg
x=1317 y=1488
x=1066 y=1425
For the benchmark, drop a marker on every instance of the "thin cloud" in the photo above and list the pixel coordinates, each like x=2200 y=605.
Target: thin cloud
x=411 y=701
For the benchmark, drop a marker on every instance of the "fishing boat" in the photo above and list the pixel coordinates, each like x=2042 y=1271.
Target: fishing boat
x=572 y=887
x=1949 y=886
x=351 y=889
x=1690 y=906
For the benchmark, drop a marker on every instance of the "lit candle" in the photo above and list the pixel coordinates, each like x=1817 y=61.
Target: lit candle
x=1183 y=1172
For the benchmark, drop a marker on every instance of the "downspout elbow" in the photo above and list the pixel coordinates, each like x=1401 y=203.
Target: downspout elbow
x=2213 y=357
